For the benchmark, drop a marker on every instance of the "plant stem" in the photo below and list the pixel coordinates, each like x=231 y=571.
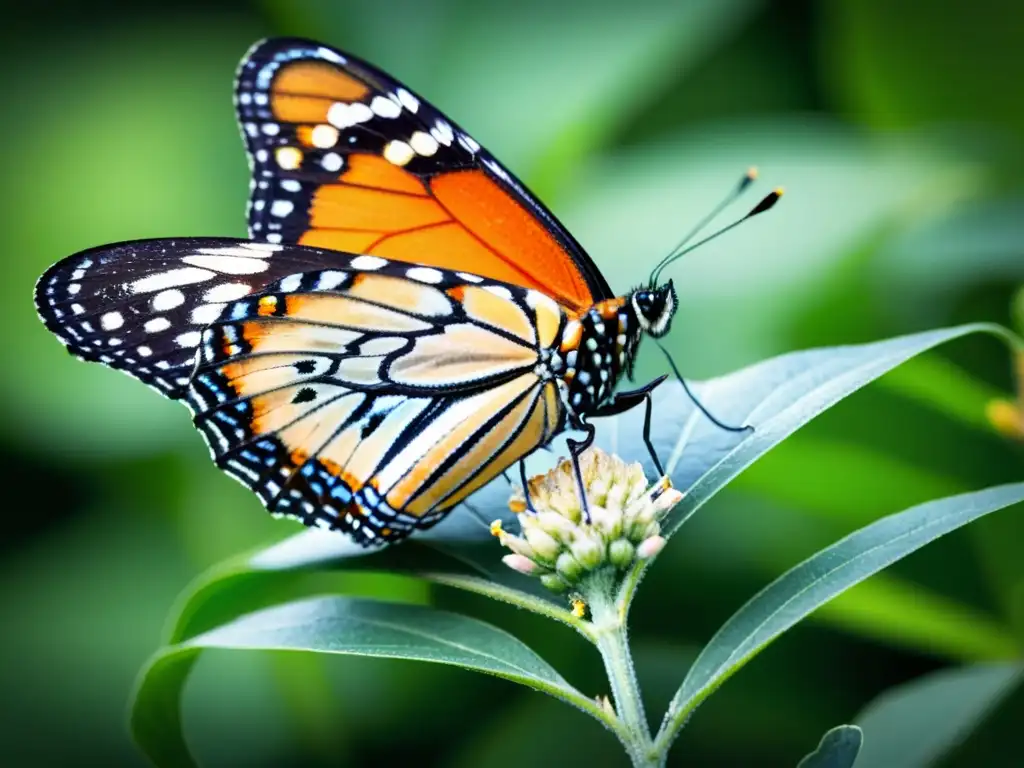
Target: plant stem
x=609 y=629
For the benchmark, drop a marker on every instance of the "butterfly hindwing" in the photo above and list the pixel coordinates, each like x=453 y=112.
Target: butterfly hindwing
x=373 y=397
x=345 y=157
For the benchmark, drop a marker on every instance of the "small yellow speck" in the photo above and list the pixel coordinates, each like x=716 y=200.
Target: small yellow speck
x=752 y=172
x=780 y=191
x=579 y=608
x=496 y=529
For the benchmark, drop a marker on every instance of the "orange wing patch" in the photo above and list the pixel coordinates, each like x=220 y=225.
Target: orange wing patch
x=338 y=206
x=305 y=90
x=378 y=173
x=462 y=221
x=514 y=235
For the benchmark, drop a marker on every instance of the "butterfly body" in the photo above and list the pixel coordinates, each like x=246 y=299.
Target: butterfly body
x=406 y=323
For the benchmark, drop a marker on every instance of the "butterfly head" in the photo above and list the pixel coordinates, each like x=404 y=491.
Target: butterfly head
x=654 y=308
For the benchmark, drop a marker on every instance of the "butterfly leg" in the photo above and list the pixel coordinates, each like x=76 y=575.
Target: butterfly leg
x=576 y=447
x=526 y=488
x=624 y=401
x=698 y=403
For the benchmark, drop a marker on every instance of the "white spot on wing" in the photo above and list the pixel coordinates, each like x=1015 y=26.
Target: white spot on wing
x=329 y=55
x=385 y=107
x=189 y=339
x=205 y=314
x=168 y=299
x=281 y=208
x=330 y=278
x=227 y=260
x=423 y=143
x=409 y=101
x=157 y=324
x=425 y=275
x=111 y=321
x=398 y=152
x=226 y=292
x=470 y=278
x=324 y=136
x=291 y=283
x=442 y=131
x=170 y=279
x=368 y=262
x=331 y=162
x=288 y=158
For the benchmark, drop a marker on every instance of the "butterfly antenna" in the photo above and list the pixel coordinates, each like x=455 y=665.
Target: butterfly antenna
x=766 y=204
x=739 y=189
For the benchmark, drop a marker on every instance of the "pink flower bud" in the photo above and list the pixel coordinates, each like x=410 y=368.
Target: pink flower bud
x=650 y=547
x=520 y=563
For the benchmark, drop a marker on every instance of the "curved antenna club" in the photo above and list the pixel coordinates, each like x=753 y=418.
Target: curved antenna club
x=748 y=178
x=766 y=204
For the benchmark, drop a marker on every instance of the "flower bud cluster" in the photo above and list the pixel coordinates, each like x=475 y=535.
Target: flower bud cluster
x=560 y=546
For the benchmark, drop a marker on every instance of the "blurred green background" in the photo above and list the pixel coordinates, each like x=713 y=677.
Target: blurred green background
x=897 y=128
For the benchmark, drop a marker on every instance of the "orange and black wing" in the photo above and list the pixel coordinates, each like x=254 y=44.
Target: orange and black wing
x=346 y=158
x=374 y=396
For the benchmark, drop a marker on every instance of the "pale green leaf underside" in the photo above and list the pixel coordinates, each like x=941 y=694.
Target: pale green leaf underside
x=337 y=625
x=838 y=748
x=820 y=578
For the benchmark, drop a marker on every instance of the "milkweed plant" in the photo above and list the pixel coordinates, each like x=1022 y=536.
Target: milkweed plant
x=579 y=567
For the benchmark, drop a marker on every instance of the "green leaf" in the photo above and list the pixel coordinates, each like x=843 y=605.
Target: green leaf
x=838 y=748
x=337 y=625
x=915 y=724
x=817 y=580
x=777 y=396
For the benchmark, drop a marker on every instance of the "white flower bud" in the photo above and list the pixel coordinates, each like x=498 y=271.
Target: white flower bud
x=518 y=545
x=545 y=546
x=607 y=521
x=555 y=525
x=589 y=549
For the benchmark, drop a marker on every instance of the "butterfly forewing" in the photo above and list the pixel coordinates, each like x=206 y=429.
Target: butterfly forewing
x=141 y=306
x=345 y=157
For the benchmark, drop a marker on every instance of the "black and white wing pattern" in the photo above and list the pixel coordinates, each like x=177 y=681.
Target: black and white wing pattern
x=369 y=397
x=141 y=306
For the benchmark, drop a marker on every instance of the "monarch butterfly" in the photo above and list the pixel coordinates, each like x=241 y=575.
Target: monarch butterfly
x=406 y=322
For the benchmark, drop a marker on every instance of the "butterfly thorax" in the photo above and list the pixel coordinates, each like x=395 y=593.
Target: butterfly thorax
x=600 y=345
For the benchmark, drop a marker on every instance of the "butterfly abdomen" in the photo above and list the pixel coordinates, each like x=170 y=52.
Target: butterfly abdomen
x=598 y=347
